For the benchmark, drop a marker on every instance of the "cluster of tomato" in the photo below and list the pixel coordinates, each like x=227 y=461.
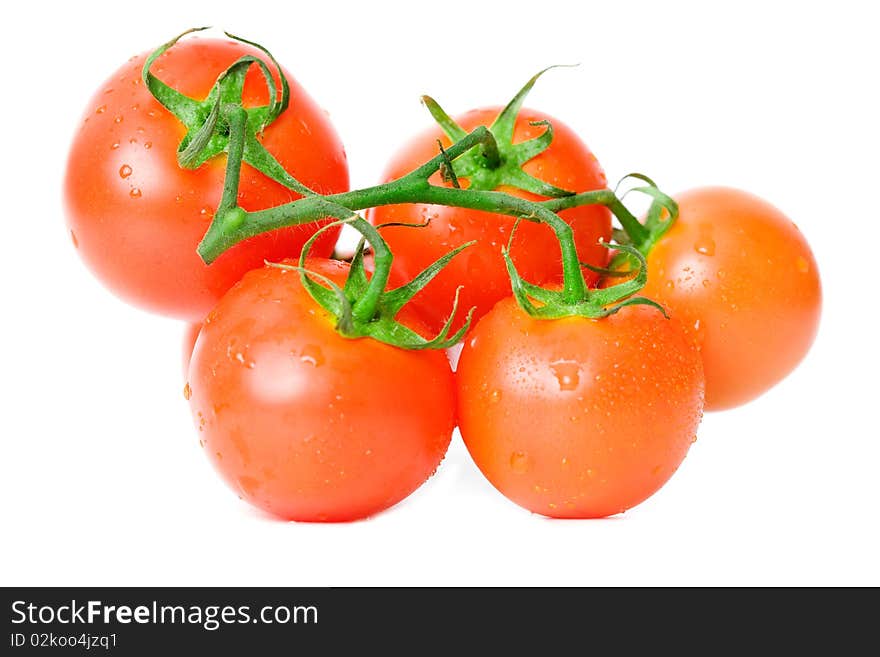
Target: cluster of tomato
x=568 y=417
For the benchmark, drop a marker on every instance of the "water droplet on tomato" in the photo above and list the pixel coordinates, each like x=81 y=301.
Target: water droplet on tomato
x=495 y=396
x=705 y=246
x=567 y=373
x=101 y=109
x=802 y=265
x=519 y=462
x=148 y=145
x=312 y=355
x=117 y=118
x=219 y=456
x=124 y=171
x=114 y=145
x=187 y=392
x=135 y=192
x=670 y=285
x=75 y=241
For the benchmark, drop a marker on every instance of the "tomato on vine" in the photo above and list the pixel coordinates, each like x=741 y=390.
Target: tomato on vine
x=136 y=215
x=534 y=156
x=315 y=392
x=578 y=403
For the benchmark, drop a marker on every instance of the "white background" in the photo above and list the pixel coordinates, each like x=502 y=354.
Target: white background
x=103 y=482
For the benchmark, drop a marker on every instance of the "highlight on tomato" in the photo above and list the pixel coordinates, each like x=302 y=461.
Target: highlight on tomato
x=136 y=215
x=537 y=157
x=743 y=281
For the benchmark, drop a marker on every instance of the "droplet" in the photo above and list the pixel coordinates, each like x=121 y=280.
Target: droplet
x=117 y=118
x=670 y=285
x=567 y=373
x=148 y=145
x=705 y=246
x=75 y=241
x=495 y=396
x=101 y=109
x=697 y=325
x=135 y=192
x=219 y=456
x=802 y=265
x=187 y=392
x=114 y=145
x=519 y=462
x=124 y=171
x=312 y=355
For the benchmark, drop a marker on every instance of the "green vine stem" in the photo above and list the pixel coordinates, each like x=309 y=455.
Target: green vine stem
x=485 y=156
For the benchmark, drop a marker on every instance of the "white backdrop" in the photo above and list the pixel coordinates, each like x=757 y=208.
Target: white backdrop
x=103 y=480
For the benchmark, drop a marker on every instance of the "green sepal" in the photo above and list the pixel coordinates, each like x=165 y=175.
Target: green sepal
x=498 y=162
x=207 y=133
x=380 y=322
x=593 y=304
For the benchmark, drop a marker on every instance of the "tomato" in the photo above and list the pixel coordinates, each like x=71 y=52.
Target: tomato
x=567 y=163
x=742 y=278
x=575 y=417
x=304 y=423
x=137 y=217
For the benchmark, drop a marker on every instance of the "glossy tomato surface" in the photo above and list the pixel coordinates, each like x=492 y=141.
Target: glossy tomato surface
x=578 y=418
x=306 y=424
x=742 y=279
x=567 y=163
x=136 y=216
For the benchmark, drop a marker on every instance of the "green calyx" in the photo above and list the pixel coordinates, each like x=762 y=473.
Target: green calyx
x=575 y=299
x=363 y=307
x=207 y=121
x=499 y=162
x=642 y=236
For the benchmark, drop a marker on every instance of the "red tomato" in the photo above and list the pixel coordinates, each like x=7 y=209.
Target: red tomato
x=578 y=418
x=741 y=277
x=567 y=163
x=304 y=423
x=137 y=217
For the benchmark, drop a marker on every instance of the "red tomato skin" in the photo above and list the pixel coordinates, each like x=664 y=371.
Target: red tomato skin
x=136 y=217
x=578 y=418
x=743 y=280
x=567 y=163
x=308 y=425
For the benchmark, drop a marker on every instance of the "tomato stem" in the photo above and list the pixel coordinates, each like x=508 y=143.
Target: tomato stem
x=486 y=158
